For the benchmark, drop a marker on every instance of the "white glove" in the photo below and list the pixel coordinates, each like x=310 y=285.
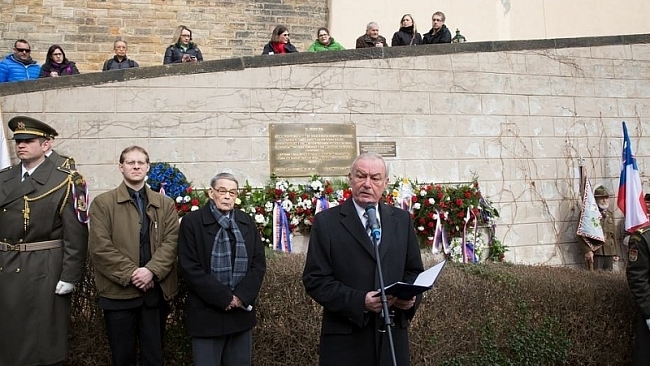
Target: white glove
x=647 y=322
x=64 y=288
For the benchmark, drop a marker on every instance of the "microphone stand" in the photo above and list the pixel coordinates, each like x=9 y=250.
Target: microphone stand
x=384 y=301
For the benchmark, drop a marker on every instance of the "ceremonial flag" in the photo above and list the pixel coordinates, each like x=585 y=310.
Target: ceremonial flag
x=630 y=191
x=5 y=161
x=589 y=226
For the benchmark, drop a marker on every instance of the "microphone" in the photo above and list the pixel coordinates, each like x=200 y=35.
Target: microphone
x=371 y=211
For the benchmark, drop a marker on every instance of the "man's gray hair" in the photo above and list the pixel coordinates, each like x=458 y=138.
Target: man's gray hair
x=372 y=24
x=369 y=156
x=226 y=176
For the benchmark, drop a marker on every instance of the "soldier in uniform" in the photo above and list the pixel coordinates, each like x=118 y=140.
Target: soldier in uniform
x=602 y=255
x=638 y=279
x=42 y=251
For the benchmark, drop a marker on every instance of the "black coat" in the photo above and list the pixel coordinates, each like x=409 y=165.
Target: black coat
x=174 y=54
x=340 y=269
x=69 y=68
x=404 y=37
x=288 y=48
x=443 y=36
x=207 y=297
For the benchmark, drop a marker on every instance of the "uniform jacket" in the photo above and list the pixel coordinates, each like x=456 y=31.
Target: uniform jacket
x=318 y=47
x=610 y=246
x=34 y=320
x=115 y=242
x=404 y=37
x=443 y=36
x=365 y=41
x=174 y=53
x=207 y=297
x=638 y=268
x=340 y=269
x=12 y=70
x=288 y=48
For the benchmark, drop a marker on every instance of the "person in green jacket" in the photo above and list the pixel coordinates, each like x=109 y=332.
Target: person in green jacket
x=324 y=42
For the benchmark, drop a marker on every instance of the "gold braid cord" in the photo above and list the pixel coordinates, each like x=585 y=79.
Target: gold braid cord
x=26 y=211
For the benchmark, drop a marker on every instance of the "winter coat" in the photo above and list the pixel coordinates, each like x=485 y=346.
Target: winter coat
x=115 y=64
x=174 y=53
x=207 y=297
x=365 y=41
x=288 y=48
x=114 y=242
x=318 y=47
x=62 y=69
x=404 y=37
x=443 y=36
x=13 y=70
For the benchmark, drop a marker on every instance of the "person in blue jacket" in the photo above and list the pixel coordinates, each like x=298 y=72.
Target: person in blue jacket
x=19 y=65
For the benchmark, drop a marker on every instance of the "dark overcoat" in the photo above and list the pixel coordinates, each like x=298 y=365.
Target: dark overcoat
x=340 y=269
x=207 y=297
x=33 y=319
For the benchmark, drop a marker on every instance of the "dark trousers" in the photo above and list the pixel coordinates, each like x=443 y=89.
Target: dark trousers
x=128 y=327
x=229 y=350
x=641 y=355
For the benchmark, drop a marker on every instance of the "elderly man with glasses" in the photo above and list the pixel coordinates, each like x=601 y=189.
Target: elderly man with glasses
x=439 y=32
x=221 y=257
x=19 y=65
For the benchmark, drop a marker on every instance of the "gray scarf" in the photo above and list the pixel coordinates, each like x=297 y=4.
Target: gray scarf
x=222 y=267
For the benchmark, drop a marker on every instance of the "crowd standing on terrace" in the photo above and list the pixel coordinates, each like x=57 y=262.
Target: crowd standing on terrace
x=19 y=65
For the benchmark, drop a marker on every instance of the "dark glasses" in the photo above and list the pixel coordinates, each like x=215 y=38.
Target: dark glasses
x=26 y=50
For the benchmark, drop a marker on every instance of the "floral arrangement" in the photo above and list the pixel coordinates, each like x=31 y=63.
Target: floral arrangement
x=444 y=215
x=299 y=203
x=171 y=182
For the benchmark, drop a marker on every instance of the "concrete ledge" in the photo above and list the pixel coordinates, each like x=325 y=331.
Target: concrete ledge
x=240 y=63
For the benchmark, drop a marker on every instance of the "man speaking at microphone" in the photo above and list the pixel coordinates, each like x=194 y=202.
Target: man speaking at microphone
x=341 y=273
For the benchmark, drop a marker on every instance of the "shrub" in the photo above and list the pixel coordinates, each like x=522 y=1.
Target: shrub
x=485 y=314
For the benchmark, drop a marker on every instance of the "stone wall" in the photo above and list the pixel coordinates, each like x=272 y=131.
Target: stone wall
x=87 y=29
x=516 y=114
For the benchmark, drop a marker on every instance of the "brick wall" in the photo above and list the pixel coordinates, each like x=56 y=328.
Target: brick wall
x=87 y=29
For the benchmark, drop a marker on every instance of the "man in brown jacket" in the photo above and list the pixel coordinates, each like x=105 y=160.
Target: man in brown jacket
x=42 y=251
x=372 y=37
x=133 y=234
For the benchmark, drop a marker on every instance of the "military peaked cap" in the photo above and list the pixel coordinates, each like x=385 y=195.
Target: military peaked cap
x=601 y=192
x=26 y=128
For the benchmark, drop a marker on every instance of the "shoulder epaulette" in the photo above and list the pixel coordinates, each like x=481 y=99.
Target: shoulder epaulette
x=643 y=230
x=64 y=169
x=6 y=169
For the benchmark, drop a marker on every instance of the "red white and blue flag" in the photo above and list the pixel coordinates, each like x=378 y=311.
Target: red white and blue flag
x=630 y=191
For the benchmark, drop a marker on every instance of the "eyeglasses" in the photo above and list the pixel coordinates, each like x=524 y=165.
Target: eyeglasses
x=285 y=34
x=26 y=50
x=436 y=20
x=57 y=54
x=223 y=192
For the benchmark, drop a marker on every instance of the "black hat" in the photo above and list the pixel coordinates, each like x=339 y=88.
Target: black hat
x=26 y=128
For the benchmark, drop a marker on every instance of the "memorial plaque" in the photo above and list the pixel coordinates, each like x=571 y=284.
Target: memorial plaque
x=387 y=149
x=305 y=149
